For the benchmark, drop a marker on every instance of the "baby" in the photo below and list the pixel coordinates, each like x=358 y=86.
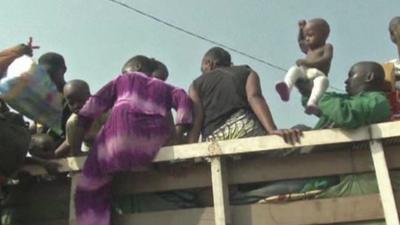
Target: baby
x=315 y=66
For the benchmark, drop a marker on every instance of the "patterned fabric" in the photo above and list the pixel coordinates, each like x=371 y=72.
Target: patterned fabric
x=241 y=124
x=27 y=88
x=132 y=136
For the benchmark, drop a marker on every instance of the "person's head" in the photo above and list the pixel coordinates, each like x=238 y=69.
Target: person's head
x=55 y=66
x=365 y=76
x=139 y=63
x=316 y=31
x=41 y=143
x=76 y=92
x=214 y=58
x=160 y=71
x=394 y=30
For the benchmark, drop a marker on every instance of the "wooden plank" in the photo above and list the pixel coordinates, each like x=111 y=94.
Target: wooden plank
x=263 y=143
x=220 y=191
x=322 y=211
x=259 y=144
x=175 y=217
x=319 y=211
x=74 y=183
x=50 y=222
x=198 y=175
x=384 y=183
x=385 y=130
x=257 y=169
x=238 y=146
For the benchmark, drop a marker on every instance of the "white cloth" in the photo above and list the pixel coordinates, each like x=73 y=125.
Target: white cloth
x=320 y=81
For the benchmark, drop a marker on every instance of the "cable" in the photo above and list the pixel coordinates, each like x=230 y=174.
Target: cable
x=336 y=89
x=272 y=65
x=197 y=35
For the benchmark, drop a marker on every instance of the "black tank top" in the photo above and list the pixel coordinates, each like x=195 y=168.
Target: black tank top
x=222 y=92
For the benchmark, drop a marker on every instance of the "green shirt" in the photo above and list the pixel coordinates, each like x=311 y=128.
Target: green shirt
x=344 y=111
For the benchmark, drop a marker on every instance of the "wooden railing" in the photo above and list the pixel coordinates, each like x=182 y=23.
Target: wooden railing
x=218 y=174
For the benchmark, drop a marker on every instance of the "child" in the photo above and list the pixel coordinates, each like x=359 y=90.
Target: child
x=316 y=65
x=132 y=136
x=42 y=146
x=76 y=92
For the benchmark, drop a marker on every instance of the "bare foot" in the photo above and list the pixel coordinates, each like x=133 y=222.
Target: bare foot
x=283 y=91
x=313 y=110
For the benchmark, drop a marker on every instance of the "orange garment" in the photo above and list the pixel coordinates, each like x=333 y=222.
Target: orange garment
x=393 y=93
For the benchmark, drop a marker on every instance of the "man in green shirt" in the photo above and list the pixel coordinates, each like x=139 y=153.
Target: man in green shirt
x=365 y=102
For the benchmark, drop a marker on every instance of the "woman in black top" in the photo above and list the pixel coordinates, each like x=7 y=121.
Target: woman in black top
x=228 y=102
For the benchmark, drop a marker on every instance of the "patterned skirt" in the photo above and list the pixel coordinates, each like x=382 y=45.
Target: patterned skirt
x=241 y=124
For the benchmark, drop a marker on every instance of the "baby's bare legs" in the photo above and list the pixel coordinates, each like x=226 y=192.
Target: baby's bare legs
x=283 y=88
x=320 y=85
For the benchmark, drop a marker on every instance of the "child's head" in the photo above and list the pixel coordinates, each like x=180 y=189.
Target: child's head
x=55 y=66
x=394 y=30
x=160 y=71
x=76 y=92
x=139 y=63
x=41 y=144
x=316 y=31
x=365 y=76
x=214 y=58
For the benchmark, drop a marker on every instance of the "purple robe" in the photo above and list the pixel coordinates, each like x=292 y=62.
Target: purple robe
x=135 y=131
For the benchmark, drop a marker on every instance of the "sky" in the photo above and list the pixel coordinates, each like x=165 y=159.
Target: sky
x=97 y=37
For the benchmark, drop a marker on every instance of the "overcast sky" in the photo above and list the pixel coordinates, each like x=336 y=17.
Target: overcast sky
x=97 y=36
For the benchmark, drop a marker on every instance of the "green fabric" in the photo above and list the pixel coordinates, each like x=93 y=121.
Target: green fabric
x=358 y=184
x=376 y=222
x=136 y=203
x=344 y=111
x=352 y=185
x=319 y=183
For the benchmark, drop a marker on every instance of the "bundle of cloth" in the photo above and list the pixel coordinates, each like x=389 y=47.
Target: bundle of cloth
x=28 y=89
